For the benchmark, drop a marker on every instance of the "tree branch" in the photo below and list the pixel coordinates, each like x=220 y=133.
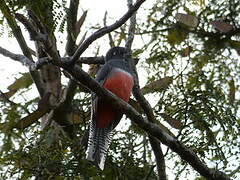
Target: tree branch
x=24 y=60
x=46 y=60
x=91 y=60
x=159 y=157
x=111 y=42
x=105 y=30
x=34 y=35
x=15 y=28
x=154 y=130
x=21 y=41
x=72 y=12
x=5 y=98
x=17 y=57
x=132 y=27
x=41 y=33
x=155 y=143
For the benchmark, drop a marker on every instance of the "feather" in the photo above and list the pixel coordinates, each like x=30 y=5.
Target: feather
x=116 y=76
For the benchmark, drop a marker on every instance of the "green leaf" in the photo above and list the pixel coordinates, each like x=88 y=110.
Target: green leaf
x=158 y=85
x=176 y=36
x=136 y=52
x=23 y=82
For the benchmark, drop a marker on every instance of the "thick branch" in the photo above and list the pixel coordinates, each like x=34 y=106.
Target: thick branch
x=105 y=30
x=154 y=130
x=62 y=111
x=34 y=35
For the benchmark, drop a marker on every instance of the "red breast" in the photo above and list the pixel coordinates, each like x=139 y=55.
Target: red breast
x=119 y=83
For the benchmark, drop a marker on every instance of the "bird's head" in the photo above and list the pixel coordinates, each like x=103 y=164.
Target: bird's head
x=116 y=53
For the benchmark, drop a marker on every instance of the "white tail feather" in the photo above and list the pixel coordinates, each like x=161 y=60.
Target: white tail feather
x=98 y=144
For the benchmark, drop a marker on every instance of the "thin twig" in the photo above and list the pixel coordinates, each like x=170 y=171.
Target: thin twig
x=17 y=57
x=111 y=42
x=132 y=27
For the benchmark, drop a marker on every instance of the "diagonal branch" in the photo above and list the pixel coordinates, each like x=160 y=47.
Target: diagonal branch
x=17 y=57
x=21 y=41
x=34 y=35
x=101 y=32
x=151 y=128
x=155 y=143
x=154 y=130
x=15 y=29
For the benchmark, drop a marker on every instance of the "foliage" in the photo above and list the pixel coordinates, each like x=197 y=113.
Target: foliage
x=198 y=99
x=203 y=94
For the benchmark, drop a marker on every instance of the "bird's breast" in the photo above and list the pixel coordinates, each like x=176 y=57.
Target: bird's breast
x=120 y=83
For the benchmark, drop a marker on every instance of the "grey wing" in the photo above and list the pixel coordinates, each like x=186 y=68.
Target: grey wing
x=102 y=75
x=99 y=138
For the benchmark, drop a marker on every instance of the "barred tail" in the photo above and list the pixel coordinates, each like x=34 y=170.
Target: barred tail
x=98 y=144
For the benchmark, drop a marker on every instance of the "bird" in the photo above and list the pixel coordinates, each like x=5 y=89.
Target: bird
x=116 y=76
